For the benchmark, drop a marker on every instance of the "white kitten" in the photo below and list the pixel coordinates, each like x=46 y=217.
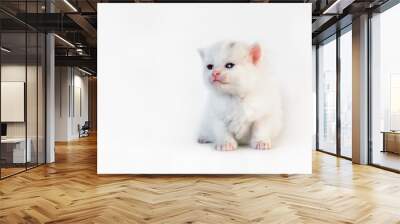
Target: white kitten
x=244 y=105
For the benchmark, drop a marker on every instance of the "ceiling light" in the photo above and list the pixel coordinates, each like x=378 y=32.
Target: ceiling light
x=64 y=40
x=84 y=71
x=79 y=51
x=70 y=5
x=5 y=50
x=338 y=6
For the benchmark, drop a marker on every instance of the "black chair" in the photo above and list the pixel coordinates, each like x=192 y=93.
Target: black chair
x=84 y=130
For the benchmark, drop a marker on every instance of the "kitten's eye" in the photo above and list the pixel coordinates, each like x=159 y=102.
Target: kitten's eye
x=210 y=66
x=229 y=65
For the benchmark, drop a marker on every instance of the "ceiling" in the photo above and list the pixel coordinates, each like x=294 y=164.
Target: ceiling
x=75 y=22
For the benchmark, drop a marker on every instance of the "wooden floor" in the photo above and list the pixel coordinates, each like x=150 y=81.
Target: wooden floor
x=70 y=191
x=5 y=172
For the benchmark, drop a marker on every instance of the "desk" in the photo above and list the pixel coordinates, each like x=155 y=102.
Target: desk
x=13 y=150
x=391 y=141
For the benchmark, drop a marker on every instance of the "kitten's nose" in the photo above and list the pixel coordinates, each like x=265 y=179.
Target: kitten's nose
x=216 y=73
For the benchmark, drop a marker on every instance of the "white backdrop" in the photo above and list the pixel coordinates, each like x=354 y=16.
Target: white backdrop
x=151 y=93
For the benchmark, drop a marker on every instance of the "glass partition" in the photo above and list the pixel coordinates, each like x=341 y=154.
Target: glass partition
x=334 y=101
x=14 y=153
x=327 y=96
x=22 y=101
x=32 y=96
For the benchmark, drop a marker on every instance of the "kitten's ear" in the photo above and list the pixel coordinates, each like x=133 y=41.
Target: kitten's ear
x=201 y=52
x=255 y=53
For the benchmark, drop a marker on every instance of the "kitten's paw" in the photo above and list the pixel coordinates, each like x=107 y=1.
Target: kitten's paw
x=261 y=145
x=203 y=140
x=229 y=146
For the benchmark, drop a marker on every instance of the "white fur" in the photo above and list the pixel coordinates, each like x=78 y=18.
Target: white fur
x=245 y=110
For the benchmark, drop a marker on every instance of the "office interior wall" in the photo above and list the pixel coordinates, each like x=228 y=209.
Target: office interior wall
x=71 y=102
x=62 y=80
x=80 y=102
x=81 y=108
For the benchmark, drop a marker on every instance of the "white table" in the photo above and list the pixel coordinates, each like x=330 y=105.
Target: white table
x=19 y=155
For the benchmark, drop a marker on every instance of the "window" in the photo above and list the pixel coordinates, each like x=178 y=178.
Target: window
x=346 y=94
x=327 y=96
x=385 y=89
x=334 y=106
x=394 y=102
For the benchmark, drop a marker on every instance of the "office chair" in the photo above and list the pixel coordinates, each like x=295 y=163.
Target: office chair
x=84 y=130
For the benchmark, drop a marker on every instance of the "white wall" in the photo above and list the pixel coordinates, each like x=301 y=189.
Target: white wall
x=62 y=81
x=79 y=117
x=15 y=72
x=70 y=83
x=12 y=73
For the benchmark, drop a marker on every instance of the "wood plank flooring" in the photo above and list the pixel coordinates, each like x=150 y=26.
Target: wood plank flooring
x=70 y=191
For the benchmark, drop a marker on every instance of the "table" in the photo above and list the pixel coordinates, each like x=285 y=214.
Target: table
x=13 y=150
x=391 y=141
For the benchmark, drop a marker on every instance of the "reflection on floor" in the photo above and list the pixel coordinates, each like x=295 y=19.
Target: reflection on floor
x=346 y=152
x=10 y=169
x=386 y=159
